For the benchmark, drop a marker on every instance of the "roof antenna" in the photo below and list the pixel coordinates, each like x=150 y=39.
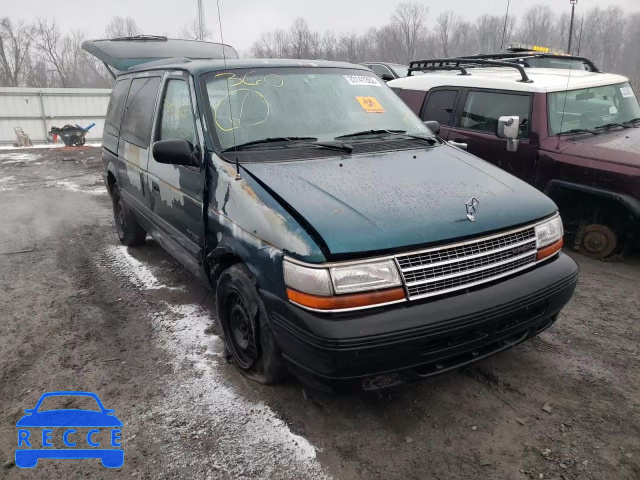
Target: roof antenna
x=564 y=106
x=233 y=130
x=504 y=31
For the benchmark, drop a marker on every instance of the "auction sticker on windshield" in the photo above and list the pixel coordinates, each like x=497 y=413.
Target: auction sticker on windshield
x=627 y=92
x=370 y=104
x=362 y=80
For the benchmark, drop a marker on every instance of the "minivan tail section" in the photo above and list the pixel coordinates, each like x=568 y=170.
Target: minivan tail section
x=128 y=52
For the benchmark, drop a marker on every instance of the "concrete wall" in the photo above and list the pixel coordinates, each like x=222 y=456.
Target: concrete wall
x=36 y=110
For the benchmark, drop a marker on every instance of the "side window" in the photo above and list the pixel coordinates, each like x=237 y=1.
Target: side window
x=138 y=114
x=380 y=70
x=176 y=117
x=439 y=106
x=483 y=109
x=413 y=98
x=114 y=111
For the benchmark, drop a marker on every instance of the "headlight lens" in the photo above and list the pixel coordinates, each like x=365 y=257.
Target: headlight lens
x=309 y=280
x=549 y=232
x=365 y=276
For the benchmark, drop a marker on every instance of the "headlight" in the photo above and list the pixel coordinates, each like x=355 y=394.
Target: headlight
x=341 y=288
x=549 y=237
x=365 y=276
x=308 y=280
x=549 y=232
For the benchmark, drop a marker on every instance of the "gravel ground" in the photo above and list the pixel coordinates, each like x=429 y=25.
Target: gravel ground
x=80 y=312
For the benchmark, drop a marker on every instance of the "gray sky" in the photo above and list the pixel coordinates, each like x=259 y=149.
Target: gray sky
x=242 y=22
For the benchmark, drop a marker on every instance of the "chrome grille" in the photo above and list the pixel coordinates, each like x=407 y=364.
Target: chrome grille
x=446 y=269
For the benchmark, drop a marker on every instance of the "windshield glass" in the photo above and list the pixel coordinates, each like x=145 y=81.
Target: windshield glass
x=591 y=108
x=323 y=103
x=401 y=70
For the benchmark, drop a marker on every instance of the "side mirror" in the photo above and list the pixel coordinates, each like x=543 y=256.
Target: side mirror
x=433 y=126
x=509 y=129
x=176 y=152
x=387 y=77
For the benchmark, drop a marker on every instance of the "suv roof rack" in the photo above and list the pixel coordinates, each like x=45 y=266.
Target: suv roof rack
x=524 y=55
x=462 y=64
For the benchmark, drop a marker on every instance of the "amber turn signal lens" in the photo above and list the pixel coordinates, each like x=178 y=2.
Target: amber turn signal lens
x=550 y=250
x=346 y=301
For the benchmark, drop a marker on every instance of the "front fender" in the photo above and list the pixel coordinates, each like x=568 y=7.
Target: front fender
x=629 y=203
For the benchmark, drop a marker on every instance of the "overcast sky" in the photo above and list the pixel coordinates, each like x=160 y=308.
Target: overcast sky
x=243 y=21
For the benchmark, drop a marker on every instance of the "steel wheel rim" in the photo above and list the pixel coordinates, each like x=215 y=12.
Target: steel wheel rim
x=241 y=332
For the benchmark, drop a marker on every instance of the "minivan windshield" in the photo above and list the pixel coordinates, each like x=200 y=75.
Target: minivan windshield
x=304 y=103
x=592 y=108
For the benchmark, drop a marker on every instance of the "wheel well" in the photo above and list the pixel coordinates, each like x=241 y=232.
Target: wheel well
x=111 y=181
x=218 y=264
x=582 y=208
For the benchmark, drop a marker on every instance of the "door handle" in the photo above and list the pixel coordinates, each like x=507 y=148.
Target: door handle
x=461 y=145
x=155 y=187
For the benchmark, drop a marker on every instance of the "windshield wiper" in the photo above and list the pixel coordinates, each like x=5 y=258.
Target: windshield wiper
x=364 y=133
x=263 y=141
x=403 y=133
x=633 y=120
x=612 y=125
x=579 y=130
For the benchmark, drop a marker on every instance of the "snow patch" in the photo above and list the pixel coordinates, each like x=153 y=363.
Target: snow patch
x=42 y=146
x=74 y=187
x=136 y=271
x=250 y=434
x=18 y=157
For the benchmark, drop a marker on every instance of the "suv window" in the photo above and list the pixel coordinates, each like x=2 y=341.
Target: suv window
x=136 y=126
x=176 y=117
x=439 y=106
x=114 y=111
x=380 y=70
x=483 y=109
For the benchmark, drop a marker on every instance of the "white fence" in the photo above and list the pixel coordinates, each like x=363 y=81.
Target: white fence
x=36 y=110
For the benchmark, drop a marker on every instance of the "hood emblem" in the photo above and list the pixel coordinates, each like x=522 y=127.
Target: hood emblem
x=472 y=206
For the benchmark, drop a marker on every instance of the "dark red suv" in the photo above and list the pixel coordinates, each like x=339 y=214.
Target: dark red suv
x=574 y=134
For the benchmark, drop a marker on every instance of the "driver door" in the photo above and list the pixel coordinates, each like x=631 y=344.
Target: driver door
x=176 y=190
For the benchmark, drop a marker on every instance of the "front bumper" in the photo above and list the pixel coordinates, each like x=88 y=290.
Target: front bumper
x=382 y=347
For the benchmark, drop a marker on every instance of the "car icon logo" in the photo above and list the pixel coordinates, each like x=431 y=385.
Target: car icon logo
x=74 y=443
x=472 y=207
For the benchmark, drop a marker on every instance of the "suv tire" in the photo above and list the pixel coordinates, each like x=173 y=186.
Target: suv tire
x=245 y=328
x=130 y=232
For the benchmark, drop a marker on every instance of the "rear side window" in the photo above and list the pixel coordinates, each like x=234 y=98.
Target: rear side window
x=439 y=106
x=414 y=99
x=138 y=114
x=114 y=111
x=176 y=118
x=483 y=109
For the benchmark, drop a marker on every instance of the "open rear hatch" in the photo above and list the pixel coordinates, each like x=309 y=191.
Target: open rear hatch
x=128 y=52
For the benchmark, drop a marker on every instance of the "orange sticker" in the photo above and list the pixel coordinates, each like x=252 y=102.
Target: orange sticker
x=370 y=104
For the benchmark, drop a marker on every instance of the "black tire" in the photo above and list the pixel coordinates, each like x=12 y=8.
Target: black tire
x=245 y=328
x=129 y=231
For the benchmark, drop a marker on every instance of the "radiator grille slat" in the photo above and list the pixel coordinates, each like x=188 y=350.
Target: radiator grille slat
x=456 y=267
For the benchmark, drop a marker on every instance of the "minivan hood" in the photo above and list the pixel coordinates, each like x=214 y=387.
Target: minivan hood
x=389 y=201
x=614 y=146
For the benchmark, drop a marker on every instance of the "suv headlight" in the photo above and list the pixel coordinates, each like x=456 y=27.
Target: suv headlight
x=549 y=237
x=354 y=285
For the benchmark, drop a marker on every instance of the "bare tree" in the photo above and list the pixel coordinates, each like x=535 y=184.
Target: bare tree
x=196 y=31
x=15 y=43
x=119 y=27
x=537 y=25
x=299 y=39
x=409 y=19
x=448 y=29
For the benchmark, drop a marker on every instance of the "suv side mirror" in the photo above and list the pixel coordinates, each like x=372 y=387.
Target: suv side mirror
x=509 y=128
x=433 y=126
x=176 y=152
x=387 y=77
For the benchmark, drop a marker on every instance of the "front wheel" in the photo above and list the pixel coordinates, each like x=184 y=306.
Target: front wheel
x=245 y=328
x=129 y=230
